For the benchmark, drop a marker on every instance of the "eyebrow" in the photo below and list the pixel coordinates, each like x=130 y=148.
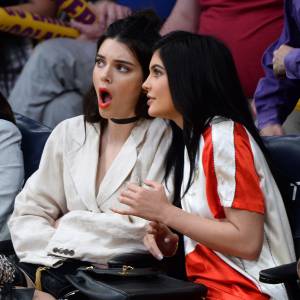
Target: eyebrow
x=120 y=61
x=157 y=66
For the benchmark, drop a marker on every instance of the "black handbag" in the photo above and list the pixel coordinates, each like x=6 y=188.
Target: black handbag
x=128 y=283
x=9 y=292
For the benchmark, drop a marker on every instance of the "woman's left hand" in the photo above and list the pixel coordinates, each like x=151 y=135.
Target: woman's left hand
x=106 y=12
x=278 y=59
x=148 y=203
x=160 y=240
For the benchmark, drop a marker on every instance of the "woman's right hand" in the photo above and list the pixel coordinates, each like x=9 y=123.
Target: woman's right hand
x=160 y=240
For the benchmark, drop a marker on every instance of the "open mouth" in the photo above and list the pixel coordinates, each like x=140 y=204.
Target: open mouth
x=105 y=98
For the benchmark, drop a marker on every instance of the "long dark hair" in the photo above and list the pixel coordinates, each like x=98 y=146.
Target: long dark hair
x=139 y=32
x=5 y=110
x=201 y=71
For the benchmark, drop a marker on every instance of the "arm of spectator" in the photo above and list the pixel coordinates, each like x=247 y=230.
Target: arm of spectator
x=41 y=7
x=274 y=98
x=278 y=60
x=272 y=129
x=292 y=64
x=11 y=172
x=107 y=12
x=184 y=16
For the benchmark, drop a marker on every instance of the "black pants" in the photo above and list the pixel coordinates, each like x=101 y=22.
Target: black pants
x=53 y=280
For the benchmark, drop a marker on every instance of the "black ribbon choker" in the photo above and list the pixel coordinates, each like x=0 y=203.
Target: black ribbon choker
x=125 y=121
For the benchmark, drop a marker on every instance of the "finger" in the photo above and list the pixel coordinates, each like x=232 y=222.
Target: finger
x=79 y=26
x=101 y=14
x=164 y=229
x=125 y=12
x=128 y=194
x=125 y=212
x=101 y=23
x=102 y=19
x=120 y=11
x=111 y=16
x=153 y=184
x=151 y=230
x=160 y=228
x=151 y=245
x=128 y=11
x=92 y=6
x=134 y=187
x=82 y=37
x=127 y=201
x=154 y=224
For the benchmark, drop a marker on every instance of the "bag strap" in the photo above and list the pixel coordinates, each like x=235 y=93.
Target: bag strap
x=125 y=271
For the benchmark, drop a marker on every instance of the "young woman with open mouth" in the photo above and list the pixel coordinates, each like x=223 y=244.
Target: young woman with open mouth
x=64 y=211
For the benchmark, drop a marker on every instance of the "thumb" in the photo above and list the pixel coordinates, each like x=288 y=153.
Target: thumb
x=77 y=25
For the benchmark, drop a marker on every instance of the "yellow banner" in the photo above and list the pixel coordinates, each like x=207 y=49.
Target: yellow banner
x=77 y=10
x=30 y=25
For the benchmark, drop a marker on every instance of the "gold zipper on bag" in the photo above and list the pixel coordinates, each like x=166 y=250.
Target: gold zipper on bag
x=125 y=270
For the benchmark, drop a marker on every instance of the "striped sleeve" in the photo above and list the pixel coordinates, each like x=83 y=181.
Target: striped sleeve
x=228 y=163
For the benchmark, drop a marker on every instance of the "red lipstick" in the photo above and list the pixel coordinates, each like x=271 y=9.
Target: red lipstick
x=105 y=98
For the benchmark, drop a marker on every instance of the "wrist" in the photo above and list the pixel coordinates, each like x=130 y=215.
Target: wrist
x=167 y=213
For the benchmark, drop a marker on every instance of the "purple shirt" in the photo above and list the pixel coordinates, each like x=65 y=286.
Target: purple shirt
x=276 y=98
x=162 y=7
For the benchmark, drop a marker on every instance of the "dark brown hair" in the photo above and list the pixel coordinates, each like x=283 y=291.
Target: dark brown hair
x=5 y=110
x=138 y=32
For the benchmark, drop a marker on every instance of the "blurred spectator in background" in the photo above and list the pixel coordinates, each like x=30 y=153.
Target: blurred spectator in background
x=41 y=7
x=246 y=27
x=55 y=79
x=11 y=165
x=15 y=50
x=278 y=92
x=57 y=75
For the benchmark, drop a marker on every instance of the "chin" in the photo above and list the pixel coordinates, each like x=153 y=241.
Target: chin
x=153 y=112
x=104 y=114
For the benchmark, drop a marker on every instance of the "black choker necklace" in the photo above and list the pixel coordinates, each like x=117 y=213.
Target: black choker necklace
x=125 y=121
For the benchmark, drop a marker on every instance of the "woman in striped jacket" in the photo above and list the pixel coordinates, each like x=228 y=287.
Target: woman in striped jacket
x=232 y=217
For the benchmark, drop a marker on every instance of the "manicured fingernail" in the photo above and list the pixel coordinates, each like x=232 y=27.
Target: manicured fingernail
x=159 y=257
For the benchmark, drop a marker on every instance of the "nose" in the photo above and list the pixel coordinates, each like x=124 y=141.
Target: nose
x=146 y=85
x=105 y=75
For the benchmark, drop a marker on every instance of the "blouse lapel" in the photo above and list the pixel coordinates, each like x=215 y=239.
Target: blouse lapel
x=82 y=161
x=123 y=164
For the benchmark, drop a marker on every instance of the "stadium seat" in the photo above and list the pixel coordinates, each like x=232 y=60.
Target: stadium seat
x=34 y=137
x=285 y=153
